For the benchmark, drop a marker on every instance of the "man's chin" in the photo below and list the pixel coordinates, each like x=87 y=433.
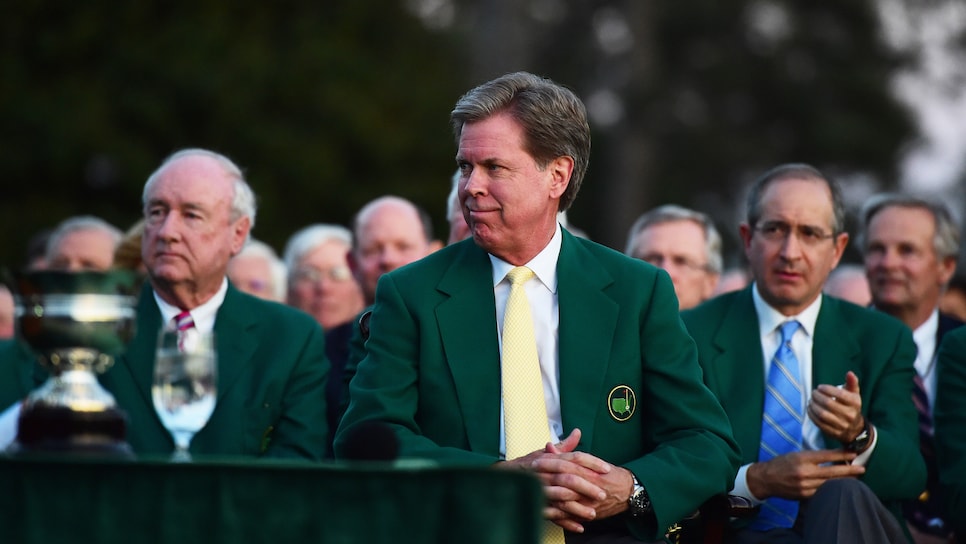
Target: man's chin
x=166 y=276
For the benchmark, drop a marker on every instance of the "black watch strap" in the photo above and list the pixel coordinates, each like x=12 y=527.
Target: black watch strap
x=861 y=442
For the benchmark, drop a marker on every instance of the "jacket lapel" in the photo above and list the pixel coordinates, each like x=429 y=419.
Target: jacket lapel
x=236 y=338
x=742 y=393
x=139 y=356
x=467 y=325
x=588 y=319
x=834 y=351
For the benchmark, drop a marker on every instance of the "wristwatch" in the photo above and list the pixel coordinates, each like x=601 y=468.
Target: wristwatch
x=638 y=503
x=861 y=442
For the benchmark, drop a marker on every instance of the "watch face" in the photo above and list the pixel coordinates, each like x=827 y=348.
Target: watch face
x=860 y=441
x=639 y=501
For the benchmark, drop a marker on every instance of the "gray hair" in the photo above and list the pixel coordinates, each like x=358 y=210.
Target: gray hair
x=307 y=239
x=243 y=200
x=79 y=223
x=795 y=171
x=672 y=212
x=553 y=119
x=946 y=240
x=259 y=249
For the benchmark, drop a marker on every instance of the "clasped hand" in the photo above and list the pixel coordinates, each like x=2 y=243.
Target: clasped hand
x=579 y=486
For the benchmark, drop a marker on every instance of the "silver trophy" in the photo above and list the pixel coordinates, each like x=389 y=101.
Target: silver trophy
x=75 y=322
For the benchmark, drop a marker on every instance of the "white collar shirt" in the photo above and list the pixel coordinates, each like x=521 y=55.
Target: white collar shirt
x=925 y=339
x=203 y=315
x=542 y=296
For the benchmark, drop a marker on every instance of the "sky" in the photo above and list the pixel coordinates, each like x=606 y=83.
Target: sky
x=934 y=88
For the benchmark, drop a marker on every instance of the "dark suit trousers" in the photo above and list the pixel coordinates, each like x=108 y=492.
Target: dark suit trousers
x=842 y=510
x=605 y=531
x=612 y=538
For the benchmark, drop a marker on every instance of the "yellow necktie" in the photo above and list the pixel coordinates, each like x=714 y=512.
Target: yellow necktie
x=524 y=407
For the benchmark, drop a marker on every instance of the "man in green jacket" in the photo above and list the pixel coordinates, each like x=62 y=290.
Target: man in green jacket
x=272 y=369
x=950 y=416
x=627 y=438
x=818 y=390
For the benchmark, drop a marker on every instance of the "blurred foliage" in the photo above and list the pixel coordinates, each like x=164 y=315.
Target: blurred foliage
x=324 y=105
x=715 y=93
x=327 y=105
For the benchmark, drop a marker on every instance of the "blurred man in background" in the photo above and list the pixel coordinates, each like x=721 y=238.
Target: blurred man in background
x=6 y=312
x=849 y=282
x=258 y=271
x=683 y=242
x=910 y=247
x=322 y=285
x=82 y=243
x=390 y=232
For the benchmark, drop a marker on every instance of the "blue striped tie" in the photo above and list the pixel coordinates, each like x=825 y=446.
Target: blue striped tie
x=781 y=425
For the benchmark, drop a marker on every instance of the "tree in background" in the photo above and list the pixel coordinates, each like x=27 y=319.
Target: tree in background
x=324 y=105
x=690 y=100
x=329 y=104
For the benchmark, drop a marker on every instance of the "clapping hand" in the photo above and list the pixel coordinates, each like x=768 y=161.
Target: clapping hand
x=837 y=410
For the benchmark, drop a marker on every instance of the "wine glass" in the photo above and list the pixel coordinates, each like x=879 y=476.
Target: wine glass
x=185 y=383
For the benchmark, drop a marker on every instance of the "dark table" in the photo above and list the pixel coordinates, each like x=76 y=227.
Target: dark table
x=49 y=500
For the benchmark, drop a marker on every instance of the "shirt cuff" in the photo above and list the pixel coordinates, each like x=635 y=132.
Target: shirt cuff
x=741 y=486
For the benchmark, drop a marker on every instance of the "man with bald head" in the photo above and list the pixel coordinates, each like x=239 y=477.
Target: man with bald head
x=272 y=370
x=390 y=232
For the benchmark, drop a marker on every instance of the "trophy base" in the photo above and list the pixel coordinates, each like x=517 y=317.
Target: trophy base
x=58 y=429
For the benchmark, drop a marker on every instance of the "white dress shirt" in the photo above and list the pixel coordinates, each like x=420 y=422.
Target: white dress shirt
x=925 y=339
x=542 y=296
x=203 y=316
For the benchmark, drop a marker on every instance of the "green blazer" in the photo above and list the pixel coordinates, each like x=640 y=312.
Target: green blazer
x=950 y=426
x=272 y=373
x=20 y=372
x=877 y=347
x=432 y=372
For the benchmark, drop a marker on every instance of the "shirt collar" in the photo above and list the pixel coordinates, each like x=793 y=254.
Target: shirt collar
x=926 y=333
x=769 y=318
x=544 y=264
x=203 y=315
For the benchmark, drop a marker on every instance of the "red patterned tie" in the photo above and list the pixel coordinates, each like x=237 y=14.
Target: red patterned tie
x=184 y=322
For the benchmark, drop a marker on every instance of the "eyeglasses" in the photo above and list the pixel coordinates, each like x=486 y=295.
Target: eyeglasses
x=674 y=261
x=310 y=274
x=777 y=231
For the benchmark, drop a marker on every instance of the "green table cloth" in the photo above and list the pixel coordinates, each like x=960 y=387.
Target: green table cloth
x=49 y=500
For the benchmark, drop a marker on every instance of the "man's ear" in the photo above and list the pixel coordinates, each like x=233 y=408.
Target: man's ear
x=947 y=267
x=841 y=240
x=560 y=170
x=745 y=232
x=240 y=232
